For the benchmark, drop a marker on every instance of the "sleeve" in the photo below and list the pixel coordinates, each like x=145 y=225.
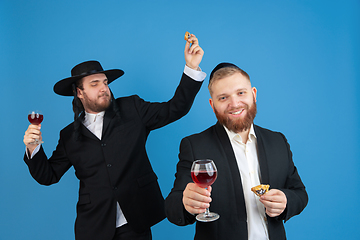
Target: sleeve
x=36 y=150
x=174 y=207
x=294 y=189
x=48 y=171
x=197 y=75
x=155 y=114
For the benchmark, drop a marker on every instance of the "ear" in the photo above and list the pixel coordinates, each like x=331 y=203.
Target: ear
x=254 y=91
x=80 y=94
x=211 y=104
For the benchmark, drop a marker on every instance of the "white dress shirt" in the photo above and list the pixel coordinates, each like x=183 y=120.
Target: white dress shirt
x=248 y=164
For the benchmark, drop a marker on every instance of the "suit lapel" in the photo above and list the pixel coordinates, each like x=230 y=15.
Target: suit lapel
x=234 y=169
x=87 y=133
x=109 y=115
x=82 y=129
x=262 y=157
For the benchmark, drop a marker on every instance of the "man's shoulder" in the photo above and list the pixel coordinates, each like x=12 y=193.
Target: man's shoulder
x=217 y=127
x=129 y=101
x=203 y=134
x=268 y=135
x=263 y=130
x=127 y=98
x=68 y=129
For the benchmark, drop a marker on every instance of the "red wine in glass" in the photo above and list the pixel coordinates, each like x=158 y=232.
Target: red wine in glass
x=36 y=117
x=204 y=174
x=204 y=178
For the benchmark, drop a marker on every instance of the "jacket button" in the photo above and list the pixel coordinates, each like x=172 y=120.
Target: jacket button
x=109 y=165
x=103 y=144
x=115 y=188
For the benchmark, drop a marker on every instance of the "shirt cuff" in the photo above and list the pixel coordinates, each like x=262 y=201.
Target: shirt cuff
x=36 y=150
x=197 y=75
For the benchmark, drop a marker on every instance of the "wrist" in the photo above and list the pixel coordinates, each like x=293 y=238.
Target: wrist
x=196 y=68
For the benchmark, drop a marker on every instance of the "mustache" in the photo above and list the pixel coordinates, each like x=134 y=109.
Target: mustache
x=234 y=109
x=104 y=94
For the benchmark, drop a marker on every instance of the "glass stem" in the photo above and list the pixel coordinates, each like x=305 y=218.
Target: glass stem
x=206 y=212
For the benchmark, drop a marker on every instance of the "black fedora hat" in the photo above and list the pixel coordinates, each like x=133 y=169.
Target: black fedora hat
x=64 y=87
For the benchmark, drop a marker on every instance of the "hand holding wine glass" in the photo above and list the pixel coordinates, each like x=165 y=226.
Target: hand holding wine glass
x=35 y=118
x=204 y=174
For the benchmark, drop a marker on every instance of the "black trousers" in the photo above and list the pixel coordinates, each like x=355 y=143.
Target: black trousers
x=125 y=232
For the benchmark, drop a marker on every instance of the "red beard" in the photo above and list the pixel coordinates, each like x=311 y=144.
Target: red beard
x=240 y=124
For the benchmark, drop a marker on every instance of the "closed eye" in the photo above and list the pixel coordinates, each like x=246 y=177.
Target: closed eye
x=94 y=83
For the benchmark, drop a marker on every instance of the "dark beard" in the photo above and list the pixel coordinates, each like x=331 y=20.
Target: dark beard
x=239 y=125
x=94 y=106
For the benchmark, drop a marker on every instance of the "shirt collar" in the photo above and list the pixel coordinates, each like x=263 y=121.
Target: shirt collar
x=251 y=136
x=91 y=117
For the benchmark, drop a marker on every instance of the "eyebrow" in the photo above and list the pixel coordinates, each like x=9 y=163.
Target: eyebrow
x=241 y=89
x=226 y=94
x=222 y=95
x=98 y=80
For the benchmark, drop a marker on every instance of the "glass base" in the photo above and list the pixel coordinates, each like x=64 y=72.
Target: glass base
x=207 y=217
x=37 y=142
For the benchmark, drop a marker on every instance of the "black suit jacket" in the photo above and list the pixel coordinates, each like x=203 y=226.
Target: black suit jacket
x=277 y=169
x=115 y=168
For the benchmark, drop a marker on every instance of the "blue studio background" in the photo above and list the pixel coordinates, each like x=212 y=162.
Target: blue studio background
x=302 y=55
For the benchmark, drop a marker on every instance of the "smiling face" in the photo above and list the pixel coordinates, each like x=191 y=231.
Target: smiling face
x=94 y=93
x=233 y=101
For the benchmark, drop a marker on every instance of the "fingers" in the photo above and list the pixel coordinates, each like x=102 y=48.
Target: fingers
x=196 y=199
x=193 y=52
x=33 y=132
x=196 y=50
x=274 y=195
x=274 y=211
x=192 y=45
x=274 y=201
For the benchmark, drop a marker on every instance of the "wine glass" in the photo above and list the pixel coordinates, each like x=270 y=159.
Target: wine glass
x=36 y=117
x=204 y=173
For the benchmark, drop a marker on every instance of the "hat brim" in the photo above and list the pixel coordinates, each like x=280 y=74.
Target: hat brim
x=64 y=87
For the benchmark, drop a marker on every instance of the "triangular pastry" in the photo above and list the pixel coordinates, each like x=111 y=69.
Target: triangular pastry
x=260 y=189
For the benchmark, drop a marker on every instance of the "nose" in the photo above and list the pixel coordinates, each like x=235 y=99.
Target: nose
x=234 y=102
x=104 y=87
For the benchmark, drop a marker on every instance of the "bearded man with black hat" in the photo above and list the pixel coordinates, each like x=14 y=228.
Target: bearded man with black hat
x=119 y=196
x=246 y=156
